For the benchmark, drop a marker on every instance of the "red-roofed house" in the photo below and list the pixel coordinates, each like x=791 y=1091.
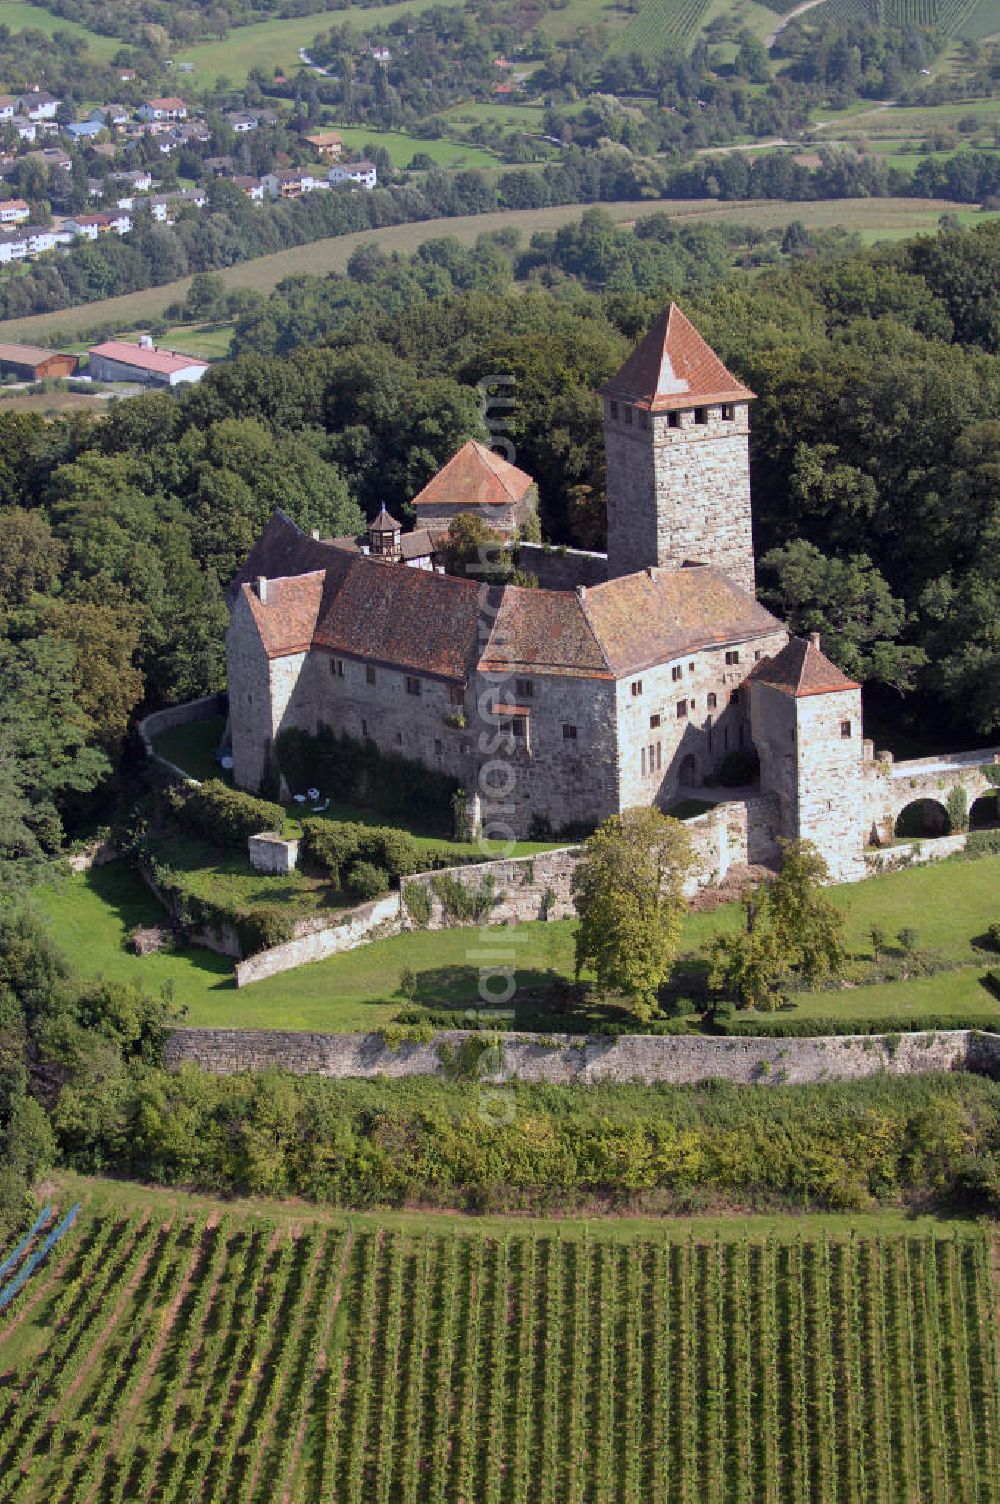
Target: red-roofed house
x=168 y=108
x=120 y=360
x=14 y=211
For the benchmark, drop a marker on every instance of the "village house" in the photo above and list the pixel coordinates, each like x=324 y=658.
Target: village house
x=120 y=360
x=358 y=174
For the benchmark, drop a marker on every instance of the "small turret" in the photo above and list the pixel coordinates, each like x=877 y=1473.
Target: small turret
x=384 y=533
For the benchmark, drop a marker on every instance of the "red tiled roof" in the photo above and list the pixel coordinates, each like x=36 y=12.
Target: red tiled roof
x=475 y=477
x=286 y=619
x=800 y=669
x=673 y=367
x=407 y=618
x=147 y=360
x=325 y=594
x=659 y=614
x=545 y=631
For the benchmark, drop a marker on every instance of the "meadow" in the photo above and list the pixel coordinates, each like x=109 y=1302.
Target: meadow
x=21 y=17
x=949 y=904
x=177 y=1348
x=874 y=219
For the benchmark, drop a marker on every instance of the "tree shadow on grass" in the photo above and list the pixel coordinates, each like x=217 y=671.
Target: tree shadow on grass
x=121 y=890
x=542 y=999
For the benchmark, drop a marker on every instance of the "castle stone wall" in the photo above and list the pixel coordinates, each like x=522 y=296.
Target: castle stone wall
x=562 y=568
x=682 y=751
x=368 y=921
x=567 y=1059
x=522 y=885
x=158 y=721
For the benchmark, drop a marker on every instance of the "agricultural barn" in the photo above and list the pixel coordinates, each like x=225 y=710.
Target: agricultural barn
x=119 y=360
x=32 y=363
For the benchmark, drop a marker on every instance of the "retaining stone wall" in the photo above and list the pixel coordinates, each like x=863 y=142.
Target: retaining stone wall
x=152 y=726
x=368 y=921
x=564 y=1059
x=521 y=884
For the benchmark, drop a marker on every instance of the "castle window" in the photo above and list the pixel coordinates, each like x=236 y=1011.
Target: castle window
x=654 y=721
x=524 y=689
x=614 y=411
x=337 y=667
x=369 y=674
x=456 y=695
x=519 y=727
x=845 y=729
x=643 y=418
x=758 y=655
x=676 y=672
x=734 y=698
x=728 y=412
x=690 y=668
x=636 y=688
x=690 y=704
x=569 y=732
x=399 y=736
x=642 y=762
x=673 y=420
x=733 y=656
x=682 y=709
x=701 y=415
x=713 y=701
x=437 y=747
x=628 y=417
x=412 y=685
x=364 y=728
x=659 y=756
x=652 y=757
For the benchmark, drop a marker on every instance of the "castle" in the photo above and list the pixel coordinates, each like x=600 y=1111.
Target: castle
x=563 y=706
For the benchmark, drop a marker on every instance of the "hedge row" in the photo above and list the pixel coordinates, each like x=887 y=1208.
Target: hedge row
x=778 y=1027
x=223 y=815
x=355 y=772
x=337 y=846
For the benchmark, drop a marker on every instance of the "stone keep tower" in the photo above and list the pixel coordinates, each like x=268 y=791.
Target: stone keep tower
x=805 y=718
x=677 y=437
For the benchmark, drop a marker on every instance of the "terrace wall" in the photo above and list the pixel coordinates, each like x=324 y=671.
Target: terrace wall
x=564 y=1059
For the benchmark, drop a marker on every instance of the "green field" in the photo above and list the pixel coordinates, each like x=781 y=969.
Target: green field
x=22 y=17
x=275 y=44
x=177 y=1349
x=402 y=148
x=949 y=904
x=873 y=218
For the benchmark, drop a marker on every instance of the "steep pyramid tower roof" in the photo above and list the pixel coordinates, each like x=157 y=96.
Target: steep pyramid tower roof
x=801 y=669
x=673 y=367
x=475 y=477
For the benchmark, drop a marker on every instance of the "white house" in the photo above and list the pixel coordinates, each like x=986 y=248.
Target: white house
x=8 y=106
x=291 y=182
x=168 y=108
x=13 y=246
x=252 y=187
x=120 y=360
x=39 y=106
x=359 y=174
x=26 y=129
x=14 y=211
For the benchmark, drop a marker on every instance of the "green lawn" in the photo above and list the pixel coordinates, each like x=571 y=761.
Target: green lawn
x=275 y=44
x=402 y=147
x=107 y=1195
x=23 y=17
x=192 y=747
x=950 y=904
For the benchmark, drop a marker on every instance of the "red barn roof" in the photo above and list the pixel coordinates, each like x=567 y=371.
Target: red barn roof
x=672 y=368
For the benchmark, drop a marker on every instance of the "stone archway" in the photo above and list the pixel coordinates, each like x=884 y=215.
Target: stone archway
x=922 y=820
x=984 y=813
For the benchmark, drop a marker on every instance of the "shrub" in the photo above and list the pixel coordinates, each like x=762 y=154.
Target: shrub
x=356 y=772
x=957 y=805
x=395 y=850
x=223 y=815
x=331 y=845
x=983 y=843
x=909 y=940
x=462 y=903
x=993 y=935
x=366 y=881
x=418 y=903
